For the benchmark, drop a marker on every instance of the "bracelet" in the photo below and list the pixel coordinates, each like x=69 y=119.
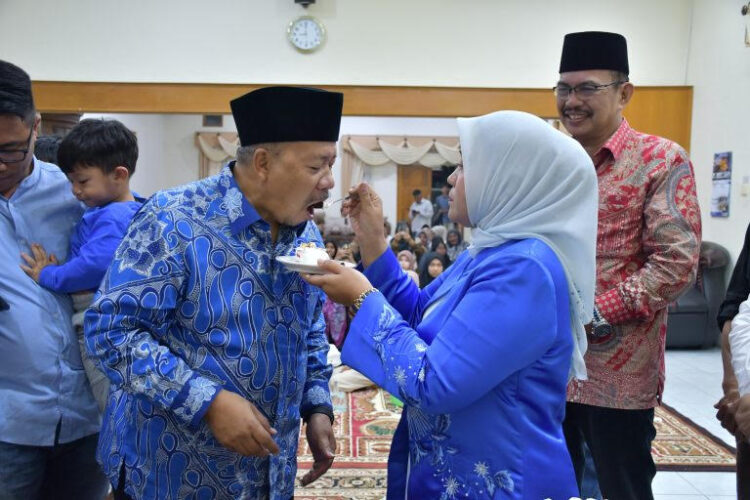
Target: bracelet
x=361 y=298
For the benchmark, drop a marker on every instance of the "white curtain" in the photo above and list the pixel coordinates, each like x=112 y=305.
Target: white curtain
x=358 y=157
x=215 y=150
x=431 y=154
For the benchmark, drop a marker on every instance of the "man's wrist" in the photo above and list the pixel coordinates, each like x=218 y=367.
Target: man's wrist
x=323 y=410
x=730 y=387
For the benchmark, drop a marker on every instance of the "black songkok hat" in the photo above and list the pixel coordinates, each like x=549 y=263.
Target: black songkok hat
x=286 y=114
x=594 y=50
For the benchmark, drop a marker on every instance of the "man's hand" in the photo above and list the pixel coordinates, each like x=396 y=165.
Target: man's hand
x=742 y=417
x=726 y=411
x=37 y=262
x=239 y=426
x=322 y=443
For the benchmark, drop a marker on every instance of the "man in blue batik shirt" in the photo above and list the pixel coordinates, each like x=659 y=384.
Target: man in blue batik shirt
x=216 y=350
x=48 y=417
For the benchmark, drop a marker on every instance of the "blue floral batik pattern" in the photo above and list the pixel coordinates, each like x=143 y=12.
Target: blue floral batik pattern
x=195 y=302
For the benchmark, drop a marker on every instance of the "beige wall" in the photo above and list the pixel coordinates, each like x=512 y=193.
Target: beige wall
x=495 y=43
x=719 y=69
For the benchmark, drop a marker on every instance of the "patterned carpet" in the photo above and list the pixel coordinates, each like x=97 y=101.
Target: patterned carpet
x=366 y=420
x=682 y=445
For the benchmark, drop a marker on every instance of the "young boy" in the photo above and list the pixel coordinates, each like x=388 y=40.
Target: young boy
x=99 y=158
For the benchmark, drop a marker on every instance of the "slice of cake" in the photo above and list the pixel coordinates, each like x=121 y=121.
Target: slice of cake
x=309 y=254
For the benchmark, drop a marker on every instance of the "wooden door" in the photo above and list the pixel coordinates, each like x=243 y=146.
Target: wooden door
x=411 y=177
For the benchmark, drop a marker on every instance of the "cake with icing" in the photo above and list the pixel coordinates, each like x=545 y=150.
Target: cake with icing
x=309 y=254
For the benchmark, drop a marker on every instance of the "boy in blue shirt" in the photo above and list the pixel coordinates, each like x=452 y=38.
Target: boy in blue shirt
x=99 y=158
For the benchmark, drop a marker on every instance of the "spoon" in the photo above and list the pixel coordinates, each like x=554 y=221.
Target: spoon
x=330 y=203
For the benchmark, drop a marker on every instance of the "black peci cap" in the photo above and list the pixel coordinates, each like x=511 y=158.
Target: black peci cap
x=287 y=114
x=594 y=50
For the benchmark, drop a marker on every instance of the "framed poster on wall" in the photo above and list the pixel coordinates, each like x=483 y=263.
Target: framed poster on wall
x=721 y=174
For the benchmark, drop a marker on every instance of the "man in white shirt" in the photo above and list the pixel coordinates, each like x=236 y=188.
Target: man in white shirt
x=420 y=212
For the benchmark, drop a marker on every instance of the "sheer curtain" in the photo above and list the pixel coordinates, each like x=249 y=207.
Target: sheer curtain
x=359 y=153
x=214 y=150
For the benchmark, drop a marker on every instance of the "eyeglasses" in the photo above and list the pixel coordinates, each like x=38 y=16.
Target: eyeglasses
x=583 y=91
x=16 y=155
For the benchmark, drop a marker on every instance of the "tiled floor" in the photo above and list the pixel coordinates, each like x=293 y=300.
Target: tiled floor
x=693 y=386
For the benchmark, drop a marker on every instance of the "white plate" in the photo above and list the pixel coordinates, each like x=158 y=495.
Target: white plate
x=294 y=264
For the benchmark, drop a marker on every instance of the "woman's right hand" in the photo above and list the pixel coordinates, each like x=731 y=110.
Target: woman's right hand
x=365 y=210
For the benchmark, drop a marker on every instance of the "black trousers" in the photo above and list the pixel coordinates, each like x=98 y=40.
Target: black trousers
x=743 y=470
x=119 y=491
x=620 y=444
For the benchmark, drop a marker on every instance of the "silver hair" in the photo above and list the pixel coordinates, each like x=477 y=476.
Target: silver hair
x=245 y=153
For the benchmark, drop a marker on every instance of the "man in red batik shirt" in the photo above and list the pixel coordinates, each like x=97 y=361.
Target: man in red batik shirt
x=646 y=254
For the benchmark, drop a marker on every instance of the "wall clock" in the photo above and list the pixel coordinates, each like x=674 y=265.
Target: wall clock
x=306 y=34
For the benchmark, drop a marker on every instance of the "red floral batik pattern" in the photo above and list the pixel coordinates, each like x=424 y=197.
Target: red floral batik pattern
x=646 y=255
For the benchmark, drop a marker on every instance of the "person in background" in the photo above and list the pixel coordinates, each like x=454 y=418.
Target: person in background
x=403 y=240
x=345 y=253
x=331 y=248
x=455 y=244
x=436 y=246
x=49 y=421
x=408 y=263
x=431 y=266
x=648 y=243
x=420 y=212
x=439 y=232
x=439 y=247
x=99 y=158
x=481 y=357
x=337 y=322
x=737 y=292
x=215 y=350
x=355 y=253
x=442 y=202
x=45 y=148
x=387 y=231
x=423 y=237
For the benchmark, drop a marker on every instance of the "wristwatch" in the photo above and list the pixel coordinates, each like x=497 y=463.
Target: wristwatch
x=599 y=326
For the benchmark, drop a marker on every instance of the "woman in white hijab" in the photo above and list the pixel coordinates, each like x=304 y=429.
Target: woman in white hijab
x=482 y=356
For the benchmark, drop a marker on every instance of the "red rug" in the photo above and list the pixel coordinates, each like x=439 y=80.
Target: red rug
x=366 y=420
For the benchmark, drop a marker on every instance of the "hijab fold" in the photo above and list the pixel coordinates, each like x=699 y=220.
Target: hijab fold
x=525 y=179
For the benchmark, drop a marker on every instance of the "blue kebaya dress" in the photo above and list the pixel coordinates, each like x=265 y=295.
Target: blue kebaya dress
x=481 y=359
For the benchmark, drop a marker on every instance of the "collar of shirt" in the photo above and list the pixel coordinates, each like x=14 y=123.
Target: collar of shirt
x=247 y=213
x=614 y=145
x=31 y=180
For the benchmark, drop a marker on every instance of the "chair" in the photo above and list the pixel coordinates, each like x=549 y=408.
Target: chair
x=692 y=317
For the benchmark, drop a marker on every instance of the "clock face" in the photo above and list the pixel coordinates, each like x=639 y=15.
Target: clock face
x=306 y=33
